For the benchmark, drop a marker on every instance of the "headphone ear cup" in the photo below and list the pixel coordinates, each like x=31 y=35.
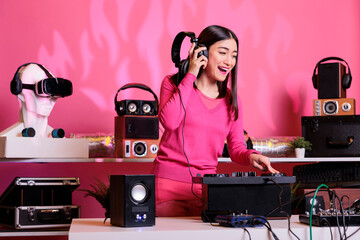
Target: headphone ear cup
x=183 y=68
x=346 y=81
x=117 y=107
x=16 y=86
x=314 y=80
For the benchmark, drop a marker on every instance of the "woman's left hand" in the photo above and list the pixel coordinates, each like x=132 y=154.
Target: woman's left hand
x=261 y=162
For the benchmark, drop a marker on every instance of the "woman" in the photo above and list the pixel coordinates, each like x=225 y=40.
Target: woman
x=198 y=115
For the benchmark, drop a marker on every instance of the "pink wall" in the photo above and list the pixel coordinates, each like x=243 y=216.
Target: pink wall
x=102 y=45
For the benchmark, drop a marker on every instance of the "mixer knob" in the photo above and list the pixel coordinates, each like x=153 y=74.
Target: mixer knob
x=237 y=174
x=250 y=174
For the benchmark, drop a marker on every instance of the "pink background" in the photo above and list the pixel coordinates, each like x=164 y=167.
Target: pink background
x=102 y=45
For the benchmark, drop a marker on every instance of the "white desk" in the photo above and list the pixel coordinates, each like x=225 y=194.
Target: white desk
x=193 y=228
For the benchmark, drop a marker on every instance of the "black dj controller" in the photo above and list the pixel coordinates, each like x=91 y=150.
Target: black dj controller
x=266 y=195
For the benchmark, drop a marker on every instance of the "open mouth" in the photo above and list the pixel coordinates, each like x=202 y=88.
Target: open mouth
x=223 y=70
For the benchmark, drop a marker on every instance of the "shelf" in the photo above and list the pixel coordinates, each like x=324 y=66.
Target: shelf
x=8 y=232
x=149 y=160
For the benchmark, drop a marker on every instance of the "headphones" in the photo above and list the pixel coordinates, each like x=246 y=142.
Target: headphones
x=346 y=79
x=16 y=84
x=183 y=65
x=119 y=108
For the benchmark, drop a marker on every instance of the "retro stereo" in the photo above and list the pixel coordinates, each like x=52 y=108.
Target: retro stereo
x=136 y=148
x=336 y=106
x=136 y=107
x=138 y=127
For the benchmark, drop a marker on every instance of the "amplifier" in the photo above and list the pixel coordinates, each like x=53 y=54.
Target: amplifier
x=267 y=195
x=332 y=136
x=138 y=127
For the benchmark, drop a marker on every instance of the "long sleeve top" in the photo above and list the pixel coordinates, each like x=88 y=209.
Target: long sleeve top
x=196 y=144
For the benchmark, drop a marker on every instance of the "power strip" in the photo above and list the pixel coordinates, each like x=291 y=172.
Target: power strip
x=331 y=220
x=242 y=221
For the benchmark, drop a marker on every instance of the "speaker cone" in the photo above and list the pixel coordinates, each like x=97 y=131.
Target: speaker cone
x=146 y=108
x=139 y=149
x=330 y=107
x=132 y=107
x=139 y=193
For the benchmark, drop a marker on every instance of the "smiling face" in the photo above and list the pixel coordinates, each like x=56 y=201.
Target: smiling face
x=222 y=59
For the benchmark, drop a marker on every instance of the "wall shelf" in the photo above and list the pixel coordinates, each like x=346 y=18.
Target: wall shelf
x=142 y=160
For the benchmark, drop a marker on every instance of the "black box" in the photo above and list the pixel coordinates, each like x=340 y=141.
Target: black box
x=24 y=191
x=132 y=200
x=39 y=203
x=254 y=195
x=332 y=136
x=34 y=217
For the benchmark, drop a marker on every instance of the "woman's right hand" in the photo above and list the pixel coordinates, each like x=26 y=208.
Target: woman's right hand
x=195 y=62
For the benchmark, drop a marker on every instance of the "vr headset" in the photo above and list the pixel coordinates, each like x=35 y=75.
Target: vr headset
x=48 y=87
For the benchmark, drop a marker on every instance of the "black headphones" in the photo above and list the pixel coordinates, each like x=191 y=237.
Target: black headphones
x=16 y=84
x=183 y=65
x=346 y=80
x=118 y=104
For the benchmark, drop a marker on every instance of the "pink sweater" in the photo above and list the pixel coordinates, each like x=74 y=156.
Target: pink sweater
x=204 y=133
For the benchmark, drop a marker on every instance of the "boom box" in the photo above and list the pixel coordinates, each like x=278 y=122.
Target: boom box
x=332 y=136
x=136 y=127
x=335 y=106
x=136 y=148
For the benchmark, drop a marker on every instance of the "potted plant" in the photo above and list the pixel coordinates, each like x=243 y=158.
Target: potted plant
x=300 y=145
x=101 y=192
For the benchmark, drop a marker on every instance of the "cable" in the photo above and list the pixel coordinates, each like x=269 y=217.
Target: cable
x=187 y=159
x=312 y=207
x=280 y=206
x=329 y=225
x=268 y=226
x=353 y=233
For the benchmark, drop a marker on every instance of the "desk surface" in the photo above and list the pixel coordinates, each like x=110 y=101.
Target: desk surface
x=193 y=228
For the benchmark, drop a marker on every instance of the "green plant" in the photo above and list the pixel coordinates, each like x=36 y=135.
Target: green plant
x=101 y=192
x=300 y=142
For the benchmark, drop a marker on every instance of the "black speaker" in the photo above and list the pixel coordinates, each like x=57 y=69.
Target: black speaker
x=136 y=107
x=132 y=200
x=331 y=79
x=137 y=127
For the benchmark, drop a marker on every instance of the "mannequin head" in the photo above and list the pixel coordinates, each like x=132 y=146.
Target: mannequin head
x=32 y=106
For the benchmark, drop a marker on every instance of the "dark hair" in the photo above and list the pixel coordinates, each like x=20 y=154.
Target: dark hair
x=208 y=37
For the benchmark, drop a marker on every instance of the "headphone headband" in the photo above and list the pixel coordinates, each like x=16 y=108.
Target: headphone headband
x=140 y=86
x=175 y=49
x=346 y=79
x=47 y=72
x=332 y=58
